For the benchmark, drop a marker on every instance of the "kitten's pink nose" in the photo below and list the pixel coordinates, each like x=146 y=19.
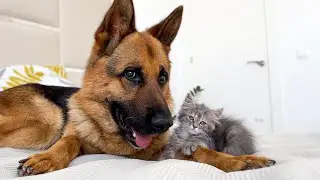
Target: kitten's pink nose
x=195 y=125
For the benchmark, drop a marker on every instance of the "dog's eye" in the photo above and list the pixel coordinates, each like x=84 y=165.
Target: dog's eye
x=202 y=123
x=132 y=75
x=163 y=76
x=163 y=79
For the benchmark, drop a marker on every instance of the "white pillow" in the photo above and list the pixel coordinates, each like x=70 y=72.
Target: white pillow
x=16 y=75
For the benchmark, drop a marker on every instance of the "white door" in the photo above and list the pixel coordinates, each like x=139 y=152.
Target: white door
x=294 y=48
x=216 y=40
x=225 y=37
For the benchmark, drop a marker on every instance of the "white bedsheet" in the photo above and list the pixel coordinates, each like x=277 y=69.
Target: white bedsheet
x=298 y=158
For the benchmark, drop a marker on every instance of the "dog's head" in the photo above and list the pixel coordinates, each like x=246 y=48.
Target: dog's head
x=129 y=71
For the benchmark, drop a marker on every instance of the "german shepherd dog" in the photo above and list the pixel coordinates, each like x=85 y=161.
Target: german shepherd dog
x=123 y=107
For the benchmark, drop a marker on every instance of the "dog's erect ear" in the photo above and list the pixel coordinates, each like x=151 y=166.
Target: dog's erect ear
x=168 y=28
x=118 y=22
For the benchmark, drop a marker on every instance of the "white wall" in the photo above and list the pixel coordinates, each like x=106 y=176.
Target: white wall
x=49 y=33
x=294 y=53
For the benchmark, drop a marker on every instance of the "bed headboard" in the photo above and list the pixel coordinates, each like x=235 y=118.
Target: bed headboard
x=49 y=32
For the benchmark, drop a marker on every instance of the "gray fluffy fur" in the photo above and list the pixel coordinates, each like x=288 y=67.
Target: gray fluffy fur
x=233 y=137
x=201 y=126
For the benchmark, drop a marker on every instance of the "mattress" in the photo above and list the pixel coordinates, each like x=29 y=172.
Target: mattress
x=297 y=155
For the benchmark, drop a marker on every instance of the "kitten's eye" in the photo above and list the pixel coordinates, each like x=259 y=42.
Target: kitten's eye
x=191 y=118
x=202 y=123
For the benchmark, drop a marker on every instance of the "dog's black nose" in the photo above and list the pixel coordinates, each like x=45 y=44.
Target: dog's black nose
x=161 y=122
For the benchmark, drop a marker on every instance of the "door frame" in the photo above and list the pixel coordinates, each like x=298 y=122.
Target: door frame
x=274 y=68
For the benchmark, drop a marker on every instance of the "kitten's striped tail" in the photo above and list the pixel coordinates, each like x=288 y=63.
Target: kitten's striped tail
x=196 y=91
x=193 y=94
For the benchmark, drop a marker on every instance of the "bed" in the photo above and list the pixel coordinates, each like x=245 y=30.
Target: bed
x=297 y=155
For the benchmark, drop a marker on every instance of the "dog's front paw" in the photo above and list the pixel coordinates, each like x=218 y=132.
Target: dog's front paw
x=255 y=162
x=232 y=165
x=37 y=164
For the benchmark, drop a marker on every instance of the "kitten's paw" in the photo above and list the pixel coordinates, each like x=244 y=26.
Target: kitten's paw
x=188 y=150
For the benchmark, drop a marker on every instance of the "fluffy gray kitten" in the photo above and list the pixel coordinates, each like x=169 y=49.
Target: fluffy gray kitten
x=198 y=125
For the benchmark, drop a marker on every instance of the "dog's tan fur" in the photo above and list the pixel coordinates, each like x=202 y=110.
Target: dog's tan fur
x=29 y=120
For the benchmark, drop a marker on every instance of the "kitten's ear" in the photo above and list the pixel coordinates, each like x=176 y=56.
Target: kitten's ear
x=218 y=113
x=118 y=22
x=189 y=102
x=167 y=29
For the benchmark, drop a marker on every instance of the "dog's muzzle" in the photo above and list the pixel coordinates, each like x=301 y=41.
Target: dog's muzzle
x=139 y=132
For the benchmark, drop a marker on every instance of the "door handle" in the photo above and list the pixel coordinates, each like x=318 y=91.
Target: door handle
x=260 y=63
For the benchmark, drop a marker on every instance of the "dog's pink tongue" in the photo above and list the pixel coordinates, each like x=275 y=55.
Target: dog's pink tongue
x=143 y=141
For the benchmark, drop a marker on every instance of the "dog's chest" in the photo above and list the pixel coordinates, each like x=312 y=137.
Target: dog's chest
x=94 y=140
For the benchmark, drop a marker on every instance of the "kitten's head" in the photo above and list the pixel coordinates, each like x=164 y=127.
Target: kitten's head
x=198 y=118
